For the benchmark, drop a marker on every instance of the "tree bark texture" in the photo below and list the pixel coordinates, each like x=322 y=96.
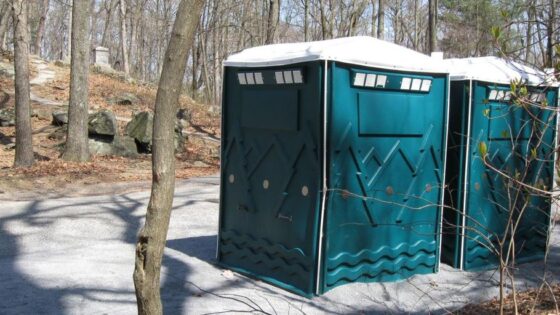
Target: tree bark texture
x=24 y=135
x=76 y=148
x=41 y=28
x=381 y=19
x=273 y=17
x=124 y=39
x=5 y=10
x=432 y=25
x=152 y=237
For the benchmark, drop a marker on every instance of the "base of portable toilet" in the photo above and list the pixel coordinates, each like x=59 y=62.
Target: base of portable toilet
x=476 y=200
x=332 y=168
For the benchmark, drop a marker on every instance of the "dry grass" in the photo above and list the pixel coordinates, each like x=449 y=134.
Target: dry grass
x=50 y=172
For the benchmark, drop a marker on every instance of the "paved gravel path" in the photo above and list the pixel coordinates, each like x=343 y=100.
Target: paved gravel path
x=75 y=256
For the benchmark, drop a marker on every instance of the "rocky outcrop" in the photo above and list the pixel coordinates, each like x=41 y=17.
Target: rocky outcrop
x=140 y=128
x=102 y=123
x=60 y=118
x=7 y=117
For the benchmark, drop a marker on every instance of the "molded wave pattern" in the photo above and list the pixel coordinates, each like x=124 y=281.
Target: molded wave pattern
x=384 y=264
x=246 y=250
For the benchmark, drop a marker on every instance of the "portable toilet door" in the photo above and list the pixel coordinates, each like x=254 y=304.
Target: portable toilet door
x=479 y=202
x=332 y=163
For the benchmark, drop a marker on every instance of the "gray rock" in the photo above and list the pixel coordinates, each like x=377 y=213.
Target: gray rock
x=58 y=135
x=102 y=123
x=7 y=70
x=43 y=113
x=7 y=117
x=10 y=146
x=124 y=99
x=59 y=118
x=125 y=146
x=120 y=146
x=140 y=128
x=100 y=146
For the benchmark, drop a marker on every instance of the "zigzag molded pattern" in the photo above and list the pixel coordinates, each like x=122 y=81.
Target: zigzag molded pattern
x=274 y=256
x=403 y=258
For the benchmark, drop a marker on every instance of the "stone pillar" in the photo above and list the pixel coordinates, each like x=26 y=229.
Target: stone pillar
x=101 y=56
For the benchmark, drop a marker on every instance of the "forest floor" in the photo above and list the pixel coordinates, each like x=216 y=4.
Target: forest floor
x=52 y=175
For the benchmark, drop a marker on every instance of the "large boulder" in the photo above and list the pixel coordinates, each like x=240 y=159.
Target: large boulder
x=120 y=146
x=60 y=118
x=7 y=117
x=140 y=128
x=102 y=123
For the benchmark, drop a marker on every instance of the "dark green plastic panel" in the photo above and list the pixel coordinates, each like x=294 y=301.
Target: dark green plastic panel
x=452 y=219
x=271 y=177
x=506 y=129
x=386 y=155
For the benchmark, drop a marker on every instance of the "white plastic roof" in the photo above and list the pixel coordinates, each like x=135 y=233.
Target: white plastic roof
x=493 y=69
x=360 y=50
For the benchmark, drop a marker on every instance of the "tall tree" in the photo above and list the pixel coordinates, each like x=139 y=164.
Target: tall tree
x=550 y=33
x=432 y=25
x=5 y=10
x=152 y=237
x=76 y=148
x=24 y=136
x=381 y=19
x=124 y=37
x=273 y=17
x=41 y=28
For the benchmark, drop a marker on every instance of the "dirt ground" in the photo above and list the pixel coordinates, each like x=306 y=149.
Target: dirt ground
x=543 y=302
x=51 y=174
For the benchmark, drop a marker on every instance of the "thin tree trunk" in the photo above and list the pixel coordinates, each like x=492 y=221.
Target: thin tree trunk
x=5 y=16
x=68 y=50
x=76 y=148
x=432 y=25
x=529 y=34
x=381 y=19
x=415 y=25
x=550 y=34
x=41 y=28
x=273 y=17
x=152 y=237
x=305 y=21
x=24 y=136
x=124 y=39
x=109 y=12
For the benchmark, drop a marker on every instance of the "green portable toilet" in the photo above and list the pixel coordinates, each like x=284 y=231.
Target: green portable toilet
x=332 y=163
x=478 y=201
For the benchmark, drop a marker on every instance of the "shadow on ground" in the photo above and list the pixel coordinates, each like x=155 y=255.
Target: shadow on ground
x=77 y=255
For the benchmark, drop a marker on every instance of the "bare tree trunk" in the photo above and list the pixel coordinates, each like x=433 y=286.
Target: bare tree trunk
x=68 y=51
x=550 y=29
x=381 y=19
x=273 y=17
x=109 y=13
x=415 y=45
x=152 y=237
x=124 y=34
x=41 y=28
x=24 y=135
x=529 y=33
x=305 y=21
x=5 y=16
x=76 y=148
x=432 y=25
